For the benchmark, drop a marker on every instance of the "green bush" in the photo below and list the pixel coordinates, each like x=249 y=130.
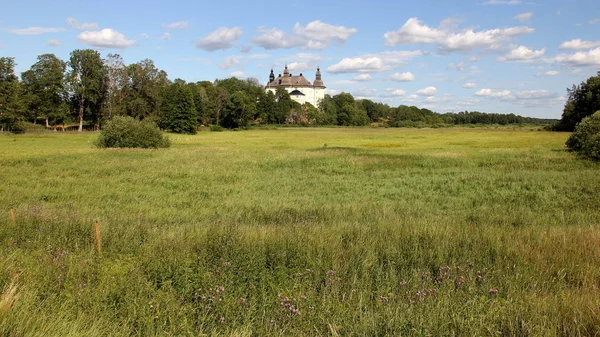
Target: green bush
x=585 y=141
x=130 y=133
x=23 y=127
x=216 y=128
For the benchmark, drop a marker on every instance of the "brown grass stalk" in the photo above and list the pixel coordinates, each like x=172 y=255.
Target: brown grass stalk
x=97 y=238
x=13 y=217
x=9 y=296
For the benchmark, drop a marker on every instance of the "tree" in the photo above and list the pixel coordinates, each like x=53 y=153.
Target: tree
x=144 y=89
x=88 y=81
x=116 y=86
x=11 y=109
x=267 y=108
x=44 y=91
x=178 y=110
x=583 y=101
x=585 y=141
x=239 y=111
x=285 y=104
x=328 y=111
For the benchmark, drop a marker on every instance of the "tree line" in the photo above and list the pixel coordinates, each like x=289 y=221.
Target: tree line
x=87 y=90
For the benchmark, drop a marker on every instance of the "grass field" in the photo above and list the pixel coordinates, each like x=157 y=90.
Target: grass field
x=301 y=232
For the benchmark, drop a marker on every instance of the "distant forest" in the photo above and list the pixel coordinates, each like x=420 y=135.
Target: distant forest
x=86 y=91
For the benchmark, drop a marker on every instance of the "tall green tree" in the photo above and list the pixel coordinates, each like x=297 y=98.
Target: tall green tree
x=285 y=104
x=11 y=109
x=144 y=89
x=583 y=101
x=44 y=89
x=88 y=83
x=116 y=87
x=266 y=108
x=328 y=110
x=239 y=111
x=178 y=113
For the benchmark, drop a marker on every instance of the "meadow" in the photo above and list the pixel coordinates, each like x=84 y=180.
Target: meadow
x=300 y=232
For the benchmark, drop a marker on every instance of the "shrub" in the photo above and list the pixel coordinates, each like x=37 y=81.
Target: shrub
x=23 y=127
x=129 y=132
x=585 y=141
x=216 y=128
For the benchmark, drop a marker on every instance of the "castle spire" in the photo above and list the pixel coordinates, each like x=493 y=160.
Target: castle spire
x=285 y=71
x=272 y=76
x=318 y=81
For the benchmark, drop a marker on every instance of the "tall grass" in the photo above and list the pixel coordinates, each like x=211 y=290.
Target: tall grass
x=302 y=232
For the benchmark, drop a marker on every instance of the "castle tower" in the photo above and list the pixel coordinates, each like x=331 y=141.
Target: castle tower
x=272 y=76
x=318 y=81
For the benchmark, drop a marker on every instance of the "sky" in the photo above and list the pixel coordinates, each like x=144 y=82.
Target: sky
x=499 y=56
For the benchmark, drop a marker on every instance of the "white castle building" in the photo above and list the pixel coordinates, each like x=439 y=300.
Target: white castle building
x=299 y=88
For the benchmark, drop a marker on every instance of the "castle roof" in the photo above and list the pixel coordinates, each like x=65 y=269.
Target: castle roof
x=289 y=80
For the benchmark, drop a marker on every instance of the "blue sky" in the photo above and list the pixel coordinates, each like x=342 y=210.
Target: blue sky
x=503 y=56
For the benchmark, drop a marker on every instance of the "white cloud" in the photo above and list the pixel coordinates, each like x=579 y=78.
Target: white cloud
x=53 y=43
x=82 y=25
x=362 y=78
x=230 y=62
x=429 y=91
x=469 y=85
x=145 y=36
x=523 y=16
x=315 y=35
x=36 y=30
x=222 y=38
x=594 y=21
x=238 y=74
x=398 y=92
x=106 y=38
x=493 y=93
x=364 y=92
x=324 y=32
x=299 y=66
x=458 y=66
x=414 y=32
x=522 y=54
x=578 y=44
x=402 y=77
x=547 y=73
x=177 y=25
x=165 y=37
x=372 y=63
x=588 y=58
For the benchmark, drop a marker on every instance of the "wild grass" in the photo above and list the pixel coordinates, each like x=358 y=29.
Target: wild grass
x=301 y=232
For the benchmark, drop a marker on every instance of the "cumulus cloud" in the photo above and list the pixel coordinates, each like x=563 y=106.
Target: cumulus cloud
x=429 y=91
x=528 y=98
x=315 y=35
x=372 y=63
x=165 y=37
x=522 y=54
x=53 y=43
x=230 y=62
x=222 y=38
x=587 y=58
x=469 y=85
x=36 y=30
x=106 y=38
x=547 y=73
x=414 y=32
x=397 y=92
x=364 y=92
x=493 y=93
x=594 y=21
x=82 y=25
x=402 y=77
x=177 y=25
x=238 y=74
x=578 y=44
x=362 y=78
x=523 y=16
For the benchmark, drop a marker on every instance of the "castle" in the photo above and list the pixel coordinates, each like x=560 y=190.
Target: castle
x=299 y=88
